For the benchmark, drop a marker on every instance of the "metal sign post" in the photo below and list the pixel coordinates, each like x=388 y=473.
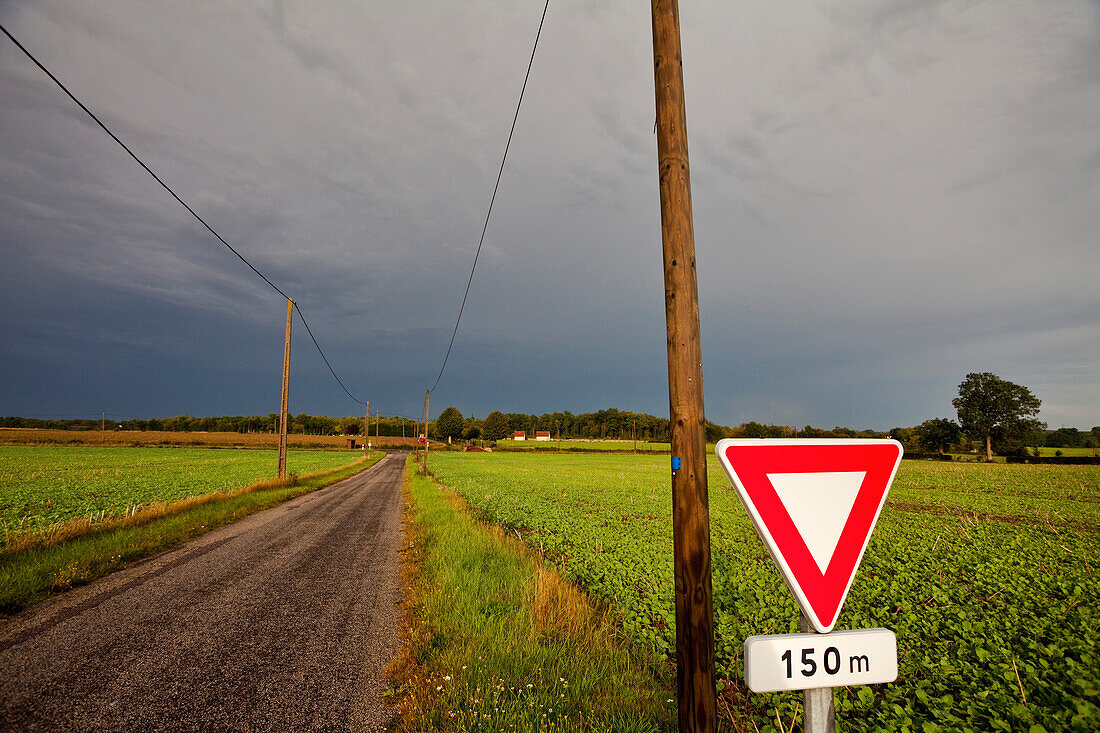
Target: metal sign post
x=818 y=715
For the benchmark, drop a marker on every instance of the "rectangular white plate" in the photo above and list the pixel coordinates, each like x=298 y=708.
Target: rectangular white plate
x=808 y=661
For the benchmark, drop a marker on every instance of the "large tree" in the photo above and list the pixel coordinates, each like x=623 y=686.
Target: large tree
x=449 y=423
x=993 y=408
x=938 y=434
x=496 y=426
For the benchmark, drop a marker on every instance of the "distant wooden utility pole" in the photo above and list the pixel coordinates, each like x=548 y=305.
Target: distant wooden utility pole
x=691 y=515
x=366 y=427
x=427 y=394
x=281 y=473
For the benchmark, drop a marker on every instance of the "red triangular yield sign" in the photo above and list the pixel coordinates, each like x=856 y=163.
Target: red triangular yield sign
x=814 y=503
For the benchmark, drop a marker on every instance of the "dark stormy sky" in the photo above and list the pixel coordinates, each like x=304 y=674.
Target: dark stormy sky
x=888 y=195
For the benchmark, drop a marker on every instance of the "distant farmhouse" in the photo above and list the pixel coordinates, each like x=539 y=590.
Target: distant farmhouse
x=520 y=435
x=542 y=435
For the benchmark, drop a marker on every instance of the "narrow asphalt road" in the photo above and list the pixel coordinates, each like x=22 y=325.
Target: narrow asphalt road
x=283 y=621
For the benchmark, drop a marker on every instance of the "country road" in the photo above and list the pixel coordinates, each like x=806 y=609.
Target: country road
x=283 y=621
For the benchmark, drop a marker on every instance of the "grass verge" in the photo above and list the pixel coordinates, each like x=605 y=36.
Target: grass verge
x=82 y=551
x=498 y=641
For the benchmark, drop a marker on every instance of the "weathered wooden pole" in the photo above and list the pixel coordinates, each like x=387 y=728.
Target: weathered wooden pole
x=427 y=394
x=366 y=428
x=281 y=473
x=691 y=515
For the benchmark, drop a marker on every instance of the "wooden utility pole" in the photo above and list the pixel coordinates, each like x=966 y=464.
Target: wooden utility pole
x=281 y=473
x=366 y=428
x=427 y=394
x=690 y=512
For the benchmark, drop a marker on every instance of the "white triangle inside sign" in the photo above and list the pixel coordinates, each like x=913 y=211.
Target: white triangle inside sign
x=819 y=505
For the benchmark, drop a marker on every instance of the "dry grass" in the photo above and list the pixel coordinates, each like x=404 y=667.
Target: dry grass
x=36 y=436
x=559 y=610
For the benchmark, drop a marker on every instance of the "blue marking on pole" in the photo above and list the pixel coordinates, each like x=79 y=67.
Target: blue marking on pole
x=675 y=464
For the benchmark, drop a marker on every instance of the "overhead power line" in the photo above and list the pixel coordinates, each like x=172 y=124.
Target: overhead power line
x=489 y=213
x=182 y=203
x=323 y=357
x=139 y=160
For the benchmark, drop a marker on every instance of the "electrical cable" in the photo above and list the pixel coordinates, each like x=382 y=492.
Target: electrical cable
x=182 y=203
x=500 y=172
x=139 y=160
x=323 y=357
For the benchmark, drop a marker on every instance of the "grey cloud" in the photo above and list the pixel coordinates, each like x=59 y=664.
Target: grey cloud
x=886 y=195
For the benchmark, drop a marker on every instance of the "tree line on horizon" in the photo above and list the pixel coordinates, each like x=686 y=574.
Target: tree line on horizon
x=992 y=413
x=608 y=424
x=300 y=424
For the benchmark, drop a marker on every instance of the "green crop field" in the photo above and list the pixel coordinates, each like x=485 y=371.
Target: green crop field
x=1068 y=452
x=44 y=485
x=1017 y=493
x=985 y=572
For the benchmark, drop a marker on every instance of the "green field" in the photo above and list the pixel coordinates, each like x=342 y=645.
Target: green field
x=1068 y=452
x=44 y=485
x=985 y=572
x=1019 y=493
